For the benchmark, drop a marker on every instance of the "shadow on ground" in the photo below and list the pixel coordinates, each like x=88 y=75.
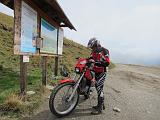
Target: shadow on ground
x=47 y=115
x=80 y=111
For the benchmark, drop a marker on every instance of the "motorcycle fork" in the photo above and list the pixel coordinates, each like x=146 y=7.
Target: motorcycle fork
x=75 y=88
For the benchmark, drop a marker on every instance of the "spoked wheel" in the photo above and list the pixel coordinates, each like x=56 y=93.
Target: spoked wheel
x=59 y=104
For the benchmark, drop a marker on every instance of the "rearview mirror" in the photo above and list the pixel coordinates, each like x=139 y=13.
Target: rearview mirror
x=63 y=71
x=77 y=58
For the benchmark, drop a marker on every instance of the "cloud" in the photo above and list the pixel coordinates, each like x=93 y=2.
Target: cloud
x=138 y=35
x=148 y=9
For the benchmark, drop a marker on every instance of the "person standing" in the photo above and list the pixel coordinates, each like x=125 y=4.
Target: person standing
x=101 y=57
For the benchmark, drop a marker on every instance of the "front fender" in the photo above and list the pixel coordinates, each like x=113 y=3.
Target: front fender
x=66 y=81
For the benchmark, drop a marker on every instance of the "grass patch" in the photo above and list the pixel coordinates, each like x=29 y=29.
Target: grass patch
x=10 y=102
x=14 y=106
x=8 y=83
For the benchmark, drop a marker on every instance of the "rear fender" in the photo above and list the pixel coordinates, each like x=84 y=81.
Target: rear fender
x=66 y=81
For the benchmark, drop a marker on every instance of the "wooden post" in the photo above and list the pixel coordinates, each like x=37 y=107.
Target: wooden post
x=23 y=77
x=17 y=25
x=44 y=70
x=17 y=33
x=56 y=66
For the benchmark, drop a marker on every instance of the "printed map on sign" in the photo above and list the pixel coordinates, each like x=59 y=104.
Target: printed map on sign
x=28 y=29
x=49 y=35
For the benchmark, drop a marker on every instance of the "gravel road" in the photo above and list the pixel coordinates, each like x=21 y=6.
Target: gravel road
x=135 y=90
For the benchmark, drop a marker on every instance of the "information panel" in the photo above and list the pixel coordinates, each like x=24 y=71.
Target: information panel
x=28 y=29
x=49 y=35
x=60 y=41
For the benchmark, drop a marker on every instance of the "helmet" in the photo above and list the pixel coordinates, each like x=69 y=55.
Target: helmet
x=93 y=42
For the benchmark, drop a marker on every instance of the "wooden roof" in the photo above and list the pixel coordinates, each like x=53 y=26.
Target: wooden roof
x=51 y=8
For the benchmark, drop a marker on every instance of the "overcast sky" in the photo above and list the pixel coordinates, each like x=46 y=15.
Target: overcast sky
x=130 y=29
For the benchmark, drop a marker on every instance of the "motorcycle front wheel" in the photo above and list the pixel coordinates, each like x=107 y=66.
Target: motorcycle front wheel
x=58 y=102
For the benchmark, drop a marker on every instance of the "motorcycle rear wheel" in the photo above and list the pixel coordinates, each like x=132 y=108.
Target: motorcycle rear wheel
x=58 y=103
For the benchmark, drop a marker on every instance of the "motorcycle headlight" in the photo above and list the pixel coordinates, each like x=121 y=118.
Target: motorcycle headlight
x=77 y=70
x=83 y=62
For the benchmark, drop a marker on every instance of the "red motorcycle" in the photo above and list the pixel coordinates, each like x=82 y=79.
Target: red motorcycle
x=64 y=98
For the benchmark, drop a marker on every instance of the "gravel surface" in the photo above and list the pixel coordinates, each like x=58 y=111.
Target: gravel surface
x=134 y=90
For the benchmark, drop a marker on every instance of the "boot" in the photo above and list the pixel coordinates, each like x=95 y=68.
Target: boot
x=99 y=107
x=95 y=107
x=103 y=106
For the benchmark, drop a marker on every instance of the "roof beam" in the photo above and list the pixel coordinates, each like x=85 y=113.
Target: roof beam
x=50 y=7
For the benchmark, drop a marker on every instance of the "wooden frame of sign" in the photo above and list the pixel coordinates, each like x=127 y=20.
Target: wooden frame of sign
x=19 y=30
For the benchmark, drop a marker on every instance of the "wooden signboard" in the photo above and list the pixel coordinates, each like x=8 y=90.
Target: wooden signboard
x=35 y=33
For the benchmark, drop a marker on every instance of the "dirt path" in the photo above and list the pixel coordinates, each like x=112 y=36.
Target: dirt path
x=133 y=89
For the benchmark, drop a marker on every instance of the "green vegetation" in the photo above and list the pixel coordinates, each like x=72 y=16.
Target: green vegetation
x=9 y=69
